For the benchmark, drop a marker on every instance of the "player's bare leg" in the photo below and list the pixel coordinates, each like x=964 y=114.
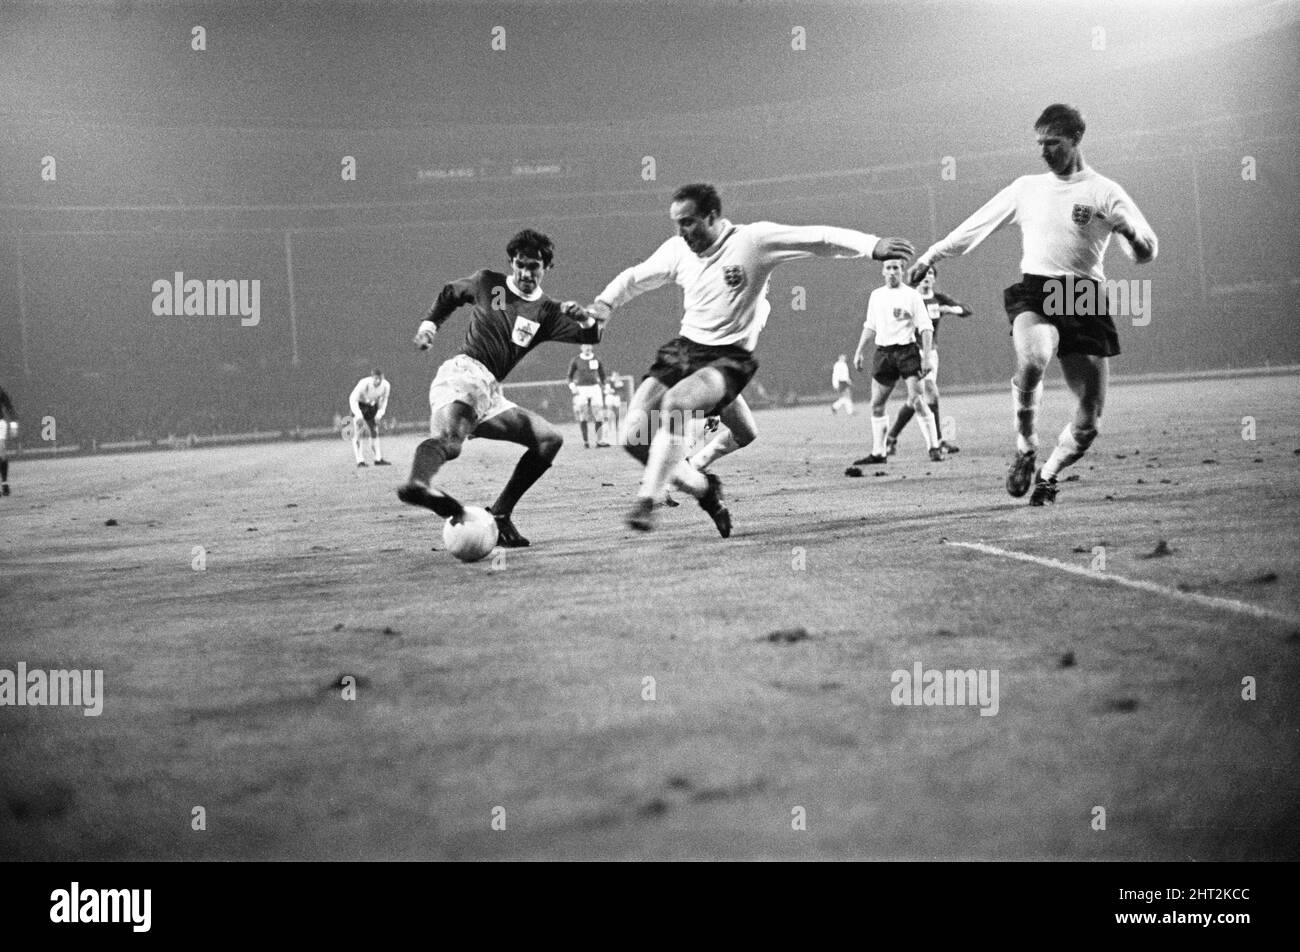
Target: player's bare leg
x=738 y=430
x=358 y=433
x=929 y=429
x=374 y=444
x=449 y=428
x=542 y=443
x=1086 y=376
x=1035 y=341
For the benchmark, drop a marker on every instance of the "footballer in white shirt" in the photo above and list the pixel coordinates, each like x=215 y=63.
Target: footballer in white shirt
x=369 y=402
x=896 y=315
x=723 y=270
x=1066 y=217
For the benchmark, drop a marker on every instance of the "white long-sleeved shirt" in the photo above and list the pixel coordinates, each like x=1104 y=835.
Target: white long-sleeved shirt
x=896 y=315
x=1065 y=224
x=366 y=392
x=725 y=287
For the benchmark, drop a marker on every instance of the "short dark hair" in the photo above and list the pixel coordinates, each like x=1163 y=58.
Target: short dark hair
x=930 y=269
x=533 y=244
x=704 y=196
x=1062 y=120
x=376 y=372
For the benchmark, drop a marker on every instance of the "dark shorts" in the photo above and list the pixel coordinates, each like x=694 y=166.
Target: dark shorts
x=368 y=411
x=681 y=357
x=1086 y=328
x=895 y=361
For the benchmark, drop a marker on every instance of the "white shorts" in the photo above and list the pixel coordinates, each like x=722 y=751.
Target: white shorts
x=462 y=379
x=587 y=403
x=5 y=428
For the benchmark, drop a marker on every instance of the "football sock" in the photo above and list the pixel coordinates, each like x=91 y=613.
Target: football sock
x=721 y=444
x=938 y=425
x=928 y=428
x=1026 y=406
x=879 y=430
x=528 y=470
x=905 y=414
x=374 y=444
x=429 y=457
x=4 y=470
x=690 y=480
x=1070 y=446
x=665 y=448
x=582 y=425
x=356 y=447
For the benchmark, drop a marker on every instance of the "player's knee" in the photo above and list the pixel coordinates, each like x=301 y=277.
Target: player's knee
x=743 y=439
x=549 y=443
x=449 y=446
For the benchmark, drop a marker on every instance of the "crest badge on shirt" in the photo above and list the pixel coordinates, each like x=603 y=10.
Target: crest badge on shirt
x=898 y=313
x=734 y=275
x=524 y=331
x=1081 y=215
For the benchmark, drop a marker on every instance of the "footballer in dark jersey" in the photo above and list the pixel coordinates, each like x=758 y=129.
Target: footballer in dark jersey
x=510 y=316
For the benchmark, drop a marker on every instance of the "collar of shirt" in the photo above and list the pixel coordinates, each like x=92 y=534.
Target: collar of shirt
x=727 y=228
x=514 y=289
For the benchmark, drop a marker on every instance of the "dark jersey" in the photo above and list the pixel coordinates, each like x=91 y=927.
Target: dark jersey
x=932 y=304
x=6 y=407
x=503 y=327
x=586 y=373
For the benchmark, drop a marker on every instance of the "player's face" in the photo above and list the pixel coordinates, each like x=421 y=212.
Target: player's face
x=527 y=273
x=1057 y=150
x=893 y=272
x=377 y=379
x=698 y=232
x=926 y=287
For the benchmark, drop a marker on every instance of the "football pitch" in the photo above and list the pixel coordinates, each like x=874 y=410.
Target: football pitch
x=292 y=669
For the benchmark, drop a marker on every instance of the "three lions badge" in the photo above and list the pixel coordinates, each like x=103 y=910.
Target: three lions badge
x=1081 y=215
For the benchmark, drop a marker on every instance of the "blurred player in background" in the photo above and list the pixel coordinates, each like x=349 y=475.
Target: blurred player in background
x=613 y=404
x=842 y=381
x=938 y=304
x=896 y=317
x=8 y=430
x=587 y=384
x=369 y=403
x=1066 y=217
x=724 y=270
x=510 y=317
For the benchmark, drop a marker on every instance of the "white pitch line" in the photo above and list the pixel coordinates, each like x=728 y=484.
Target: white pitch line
x=1209 y=601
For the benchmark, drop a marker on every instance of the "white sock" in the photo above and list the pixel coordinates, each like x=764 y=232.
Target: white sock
x=1025 y=404
x=690 y=480
x=879 y=430
x=718 y=447
x=356 y=449
x=664 y=449
x=928 y=429
x=374 y=442
x=1066 y=451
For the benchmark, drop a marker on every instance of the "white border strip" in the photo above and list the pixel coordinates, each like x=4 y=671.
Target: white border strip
x=1208 y=601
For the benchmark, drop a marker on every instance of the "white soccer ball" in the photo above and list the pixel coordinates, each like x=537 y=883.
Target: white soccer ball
x=472 y=536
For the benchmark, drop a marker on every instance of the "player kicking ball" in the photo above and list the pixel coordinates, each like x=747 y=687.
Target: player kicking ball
x=723 y=269
x=896 y=316
x=1066 y=217
x=510 y=316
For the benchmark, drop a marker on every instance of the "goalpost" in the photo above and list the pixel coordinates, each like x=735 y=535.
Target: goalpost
x=552 y=399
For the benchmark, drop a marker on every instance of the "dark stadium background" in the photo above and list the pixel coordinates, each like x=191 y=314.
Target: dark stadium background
x=204 y=162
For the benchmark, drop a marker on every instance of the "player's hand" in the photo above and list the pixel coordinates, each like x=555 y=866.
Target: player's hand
x=916 y=272
x=425 y=335
x=573 y=310
x=573 y=389
x=927 y=362
x=857 y=361
x=892 y=248
x=597 y=312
